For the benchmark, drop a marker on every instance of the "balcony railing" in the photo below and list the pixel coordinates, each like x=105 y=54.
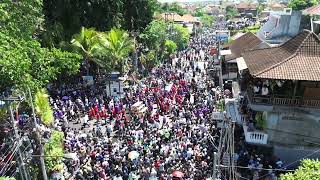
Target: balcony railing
x=252 y=137
x=278 y=100
x=255 y=137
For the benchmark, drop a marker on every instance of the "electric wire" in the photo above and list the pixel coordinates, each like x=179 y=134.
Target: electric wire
x=256 y=168
x=15 y=154
x=293 y=162
x=10 y=160
x=6 y=153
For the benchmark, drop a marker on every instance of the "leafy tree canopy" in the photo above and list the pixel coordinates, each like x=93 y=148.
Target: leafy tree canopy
x=149 y=60
x=138 y=14
x=72 y=15
x=180 y=36
x=301 y=4
x=43 y=107
x=20 y=19
x=88 y=43
x=154 y=35
x=309 y=169
x=231 y=12
x=23 y=62
x=118 y=47
x=207 y=20
x=53 y=149
x=64 y=18
x=173 y=7
x=198 y=13
x=170 y=47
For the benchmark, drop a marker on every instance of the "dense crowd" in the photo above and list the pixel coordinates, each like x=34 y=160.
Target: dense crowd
x=160 y=128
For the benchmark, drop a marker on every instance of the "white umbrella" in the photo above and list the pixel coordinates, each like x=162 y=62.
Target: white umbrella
x=133 y=155
x=71 y=156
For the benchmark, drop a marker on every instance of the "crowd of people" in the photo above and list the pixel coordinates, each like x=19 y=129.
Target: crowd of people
x=161 y=127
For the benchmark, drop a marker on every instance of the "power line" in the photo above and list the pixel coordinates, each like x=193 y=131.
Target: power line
x=293 y=162
x=256 y=168
x=13 y=155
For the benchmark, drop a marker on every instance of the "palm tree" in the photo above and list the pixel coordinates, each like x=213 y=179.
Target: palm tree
x=90 y=44
x=118 y=45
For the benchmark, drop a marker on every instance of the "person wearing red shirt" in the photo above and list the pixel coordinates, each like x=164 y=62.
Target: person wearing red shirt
x=157 y=164
x=96 y=109
x=92 y=113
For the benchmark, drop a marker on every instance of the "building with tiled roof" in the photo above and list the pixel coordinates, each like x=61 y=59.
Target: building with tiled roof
x=276 y=6
x=314 y=10
x=282 y=87
x=234 y=50
x=245 y=42
x=188 y=18
x=297 y=59
x=311 y=12
x=171 y=17
x=246 y=8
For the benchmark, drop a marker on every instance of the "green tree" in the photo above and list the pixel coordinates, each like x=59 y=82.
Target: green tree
x=173 y=7
x=23 y=62
x=139 y=13
x=180 y=36
x=170 y=47
x=154 y=35
x=43 y=108
x=72 y=15
x=20 y=19
x=89 y=43
x=26 y=64
x=198 y=13
x=64 y=18
x=231 y=12
x=149 y=60
x=309 y=169
x=207 y=20
x=118 y=46
x=54 y=152
x=301 y=4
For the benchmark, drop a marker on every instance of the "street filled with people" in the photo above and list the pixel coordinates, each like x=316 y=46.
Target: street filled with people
x=161 y=127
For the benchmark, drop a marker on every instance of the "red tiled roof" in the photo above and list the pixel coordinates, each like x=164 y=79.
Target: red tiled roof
x=314 y=10
x=188 y=18
x=245 y=42
x=297 y=59
x=171 y=17
x=277 y=5
x=176 y=17
x=245 y=5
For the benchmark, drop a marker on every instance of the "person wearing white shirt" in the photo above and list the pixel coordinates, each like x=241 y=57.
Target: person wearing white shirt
x=256 y=89
x=264 y=91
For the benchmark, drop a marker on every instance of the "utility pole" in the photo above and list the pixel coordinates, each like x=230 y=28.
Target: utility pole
x=43 y=166
x=214 y=166
x=226 y=151
x=21 y=165
x=220 y=61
